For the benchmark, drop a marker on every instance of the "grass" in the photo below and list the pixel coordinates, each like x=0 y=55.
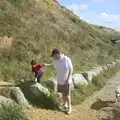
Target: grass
x=38 y=28
x=11 y=112
x=47 y=102
x=81 y=92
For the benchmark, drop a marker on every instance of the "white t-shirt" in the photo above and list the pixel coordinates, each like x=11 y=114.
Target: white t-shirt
x=62 y=67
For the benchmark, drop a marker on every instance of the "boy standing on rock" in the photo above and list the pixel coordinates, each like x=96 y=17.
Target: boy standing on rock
x=38 y=70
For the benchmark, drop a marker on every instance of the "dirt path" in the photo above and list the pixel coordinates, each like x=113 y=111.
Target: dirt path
x=101 y=106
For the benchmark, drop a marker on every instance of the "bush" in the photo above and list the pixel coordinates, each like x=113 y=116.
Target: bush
x=12 y=112
x=47 y=102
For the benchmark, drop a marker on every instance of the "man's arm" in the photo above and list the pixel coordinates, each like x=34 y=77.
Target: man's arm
x=68 y=78
x=70 y=68
x=47 y=65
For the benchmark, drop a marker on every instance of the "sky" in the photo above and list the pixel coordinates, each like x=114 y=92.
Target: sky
x=99 y=12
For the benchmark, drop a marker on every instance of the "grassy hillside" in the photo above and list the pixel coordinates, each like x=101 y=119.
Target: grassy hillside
x=38 y=26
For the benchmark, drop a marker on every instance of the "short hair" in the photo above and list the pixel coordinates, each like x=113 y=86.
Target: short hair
x=33 y=62
x=54 y=52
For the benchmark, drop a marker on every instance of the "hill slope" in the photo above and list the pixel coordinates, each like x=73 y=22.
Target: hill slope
x=38 y=26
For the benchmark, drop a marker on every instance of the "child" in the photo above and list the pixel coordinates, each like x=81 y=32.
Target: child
x=38 y=70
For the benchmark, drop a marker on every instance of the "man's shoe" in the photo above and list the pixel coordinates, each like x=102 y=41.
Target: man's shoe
x=69 y=110
x=63 y=108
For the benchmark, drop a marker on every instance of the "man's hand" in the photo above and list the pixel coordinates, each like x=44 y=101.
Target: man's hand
x=66 y=82
x=44 y=64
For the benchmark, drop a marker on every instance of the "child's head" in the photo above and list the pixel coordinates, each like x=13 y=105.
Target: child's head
x=33 y=62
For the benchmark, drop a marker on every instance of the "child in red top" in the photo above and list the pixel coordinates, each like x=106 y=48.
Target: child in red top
x=38 y=70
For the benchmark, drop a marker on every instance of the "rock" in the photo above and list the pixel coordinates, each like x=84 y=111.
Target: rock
x=109 y=66
x=19 y=97
x=54 y=82
x=79 y=79
x=93 y=73
x=38 y=95
x=100 y=69
x=106 y=114
x=37 y=89
x=117 y=61
x=105 y=67
x=4 y=100
x=22 y=81
x=51 y=84
x=114 y=63
x=34 y=89
x=89 y=75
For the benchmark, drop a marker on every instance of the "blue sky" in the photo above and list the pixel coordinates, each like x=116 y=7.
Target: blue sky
x=101 y=12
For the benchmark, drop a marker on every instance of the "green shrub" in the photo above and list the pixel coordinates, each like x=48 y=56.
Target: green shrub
x=11 y=112
x=47 y=102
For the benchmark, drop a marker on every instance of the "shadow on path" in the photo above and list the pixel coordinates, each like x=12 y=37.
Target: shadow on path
x=101 y=104
x=107 y=110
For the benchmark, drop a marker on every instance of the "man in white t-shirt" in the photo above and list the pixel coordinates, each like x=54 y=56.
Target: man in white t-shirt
x=64 y=70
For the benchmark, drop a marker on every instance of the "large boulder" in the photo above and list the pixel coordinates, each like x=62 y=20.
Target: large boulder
x=114 y=63
x=51 y=84
x=89 y=75
x=109 y=66
x=100 y=69
x=79 y=79
x=38 y=95
x=37 y=89
x=32 y=90
x=105 y=67
x=19 y=97
x=94 y=72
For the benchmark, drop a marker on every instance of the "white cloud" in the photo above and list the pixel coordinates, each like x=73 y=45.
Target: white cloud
x=88 y=21
x=98 y=1
x=77 y=8
x=108 y=17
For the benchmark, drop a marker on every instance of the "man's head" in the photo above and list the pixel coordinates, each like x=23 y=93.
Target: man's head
x=55 y=54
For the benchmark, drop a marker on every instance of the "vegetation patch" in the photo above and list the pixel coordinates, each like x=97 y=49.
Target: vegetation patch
x=39 y=27
x=11 y=112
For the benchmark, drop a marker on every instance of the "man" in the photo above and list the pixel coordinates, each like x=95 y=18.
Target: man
x=64 y=70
